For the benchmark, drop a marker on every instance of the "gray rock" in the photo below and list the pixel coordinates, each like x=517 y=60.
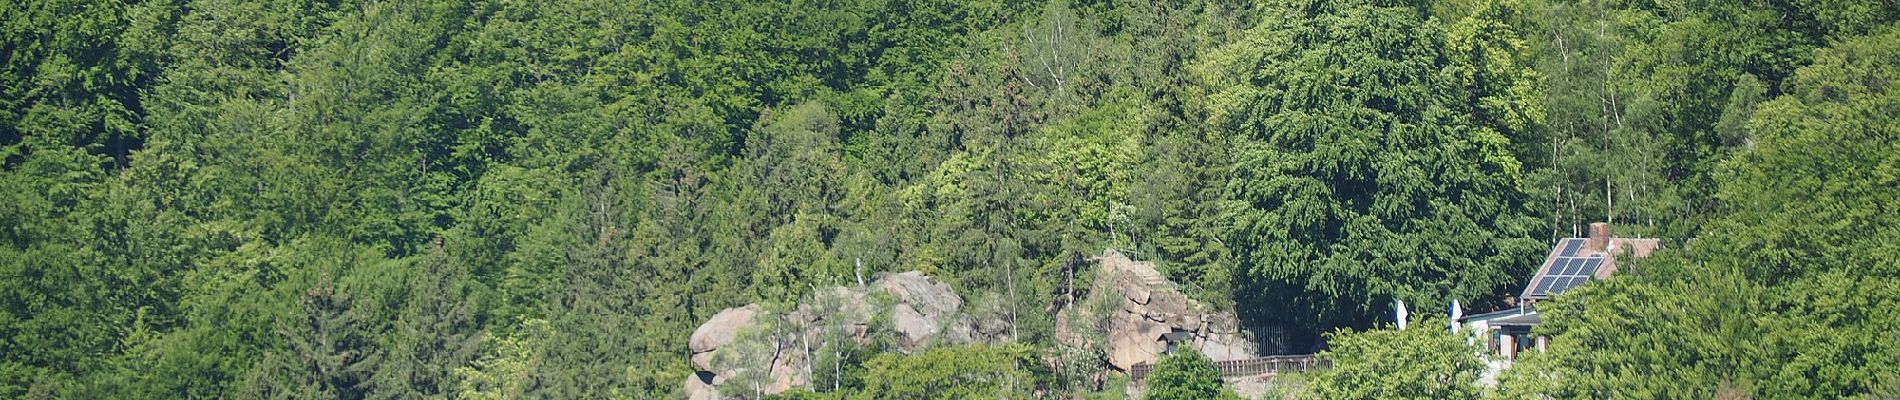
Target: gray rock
x=788 y=371
x=1167 y=304
x=1221 y=323
x=924 y=307
x=913 y=327
x=1134 y=289
x=926 y=295
x=1134 y=340
x=1151 y=306
x=721 y=328
x=1185 y=322
x=699 y=386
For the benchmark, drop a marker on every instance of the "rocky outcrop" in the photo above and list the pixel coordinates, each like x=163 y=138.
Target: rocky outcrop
x=1130 y=314
x=1133 y=340
x=923 y=306
x=719 y=331
x=1142 y=309
x=837 y=308
x=737 y=341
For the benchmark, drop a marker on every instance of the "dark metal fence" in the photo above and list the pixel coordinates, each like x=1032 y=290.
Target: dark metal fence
x=1251 y=366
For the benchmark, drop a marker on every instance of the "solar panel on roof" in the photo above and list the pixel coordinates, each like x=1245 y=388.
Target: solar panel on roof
x=1543 y=286
x=1562 y=285
x=1590 y=266
x=1565 y=272
x=1570 y=247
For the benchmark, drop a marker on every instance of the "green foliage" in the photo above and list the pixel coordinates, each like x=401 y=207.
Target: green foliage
x=1492 y=59
x=1689 y=348
x=60 y=303
x=507 y=370
x=1790 y=295
x=1186 y=374
x=1419 y=363
x=1356 y=179
x=329 y=352
x=958 y=372
x=438 y=330
x=587 y=181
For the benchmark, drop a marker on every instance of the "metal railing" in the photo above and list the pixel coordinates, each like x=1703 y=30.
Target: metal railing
x=1250 y=366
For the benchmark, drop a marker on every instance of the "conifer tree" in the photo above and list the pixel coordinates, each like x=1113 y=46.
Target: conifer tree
x=328 y=352
x=1356 y=176
x=438 y=331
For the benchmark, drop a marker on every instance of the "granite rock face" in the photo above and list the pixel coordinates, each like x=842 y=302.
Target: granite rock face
x=1143 y=309
x=1129 y=315
x=736 y=342
x=719 y=331
x=924 y=306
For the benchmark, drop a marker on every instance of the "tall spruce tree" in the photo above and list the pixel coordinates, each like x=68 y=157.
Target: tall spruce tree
x=328 y=352
x=439 y=330
x=1357 y=177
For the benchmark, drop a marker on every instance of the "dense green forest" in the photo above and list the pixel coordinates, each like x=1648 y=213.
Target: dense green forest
x=542 y=199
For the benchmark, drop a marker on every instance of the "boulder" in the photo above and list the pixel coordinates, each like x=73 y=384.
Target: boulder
x=913 y=327
x=1114 y=262
x=969 y=329
x=778 y=363
x=838 y=306
x=699 y=386
x=721 y=328
x=922 y=310
x=1164 y=305
x=1134 y=340
x=1150 y=307
x=925 y=306
x=1184 y=322
x=1221 y=323
x=926 y=295
x=839 y=309
x=1133 y=289
x=787 y=373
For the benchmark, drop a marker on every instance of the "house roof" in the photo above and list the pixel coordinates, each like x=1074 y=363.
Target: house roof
x=1531 y=318
x=1497 y=314
x=1517 y=316
x=1175 y=337
x=1574 y=261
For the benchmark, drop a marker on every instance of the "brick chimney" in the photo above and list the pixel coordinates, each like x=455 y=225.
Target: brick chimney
x=1599 y=237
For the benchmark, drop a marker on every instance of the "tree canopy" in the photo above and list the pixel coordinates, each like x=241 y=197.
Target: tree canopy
x=1419 y=363
x=1358 y=173
x=1185 y=374
x=504 y=199
x=1792 y=296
